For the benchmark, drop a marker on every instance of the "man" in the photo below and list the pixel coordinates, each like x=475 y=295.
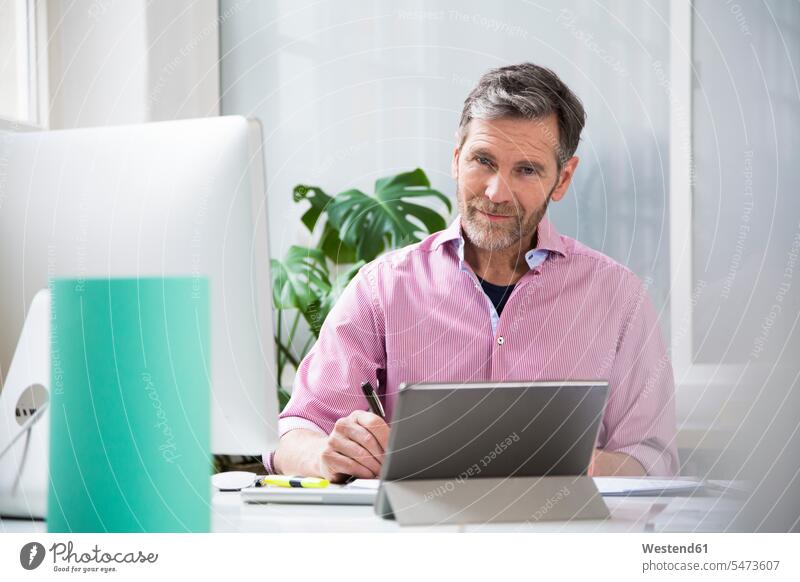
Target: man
x=498 y=296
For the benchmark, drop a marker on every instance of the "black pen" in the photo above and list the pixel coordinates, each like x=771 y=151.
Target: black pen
x=373 y=400
x=374 y=405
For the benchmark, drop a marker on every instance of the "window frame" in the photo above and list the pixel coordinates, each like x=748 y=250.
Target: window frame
x=32 y=26
x=690 y=377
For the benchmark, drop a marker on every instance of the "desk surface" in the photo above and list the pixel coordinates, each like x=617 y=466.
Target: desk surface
x=230 y=514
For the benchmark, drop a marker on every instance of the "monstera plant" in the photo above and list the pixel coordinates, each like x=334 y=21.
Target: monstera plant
x=353 y=228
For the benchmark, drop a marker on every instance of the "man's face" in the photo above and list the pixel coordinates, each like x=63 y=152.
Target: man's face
x=506 y=172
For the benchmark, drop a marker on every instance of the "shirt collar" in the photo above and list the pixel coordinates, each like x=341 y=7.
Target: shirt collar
x=548 y=241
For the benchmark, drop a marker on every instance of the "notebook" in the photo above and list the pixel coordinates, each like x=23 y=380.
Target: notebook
x=358 y=492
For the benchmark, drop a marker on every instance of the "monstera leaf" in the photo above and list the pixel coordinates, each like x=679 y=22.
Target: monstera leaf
x=356 y=229
x=329 y=241
x=341 y=281
x=319 y=203
x=371 y=224
x=302 y=282
x=300 y=279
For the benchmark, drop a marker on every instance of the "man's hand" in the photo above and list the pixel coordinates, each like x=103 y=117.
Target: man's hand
x=354 y=447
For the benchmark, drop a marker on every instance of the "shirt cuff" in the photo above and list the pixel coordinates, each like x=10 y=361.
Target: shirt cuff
x=266 y=460
x=657 y=463
x=286 y=424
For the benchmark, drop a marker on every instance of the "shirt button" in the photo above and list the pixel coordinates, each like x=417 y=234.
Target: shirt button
x=500 y=340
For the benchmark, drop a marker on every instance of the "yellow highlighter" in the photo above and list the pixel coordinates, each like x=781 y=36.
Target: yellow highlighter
x=289 y=481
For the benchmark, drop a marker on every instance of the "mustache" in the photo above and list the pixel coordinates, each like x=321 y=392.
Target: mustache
x=491 y=208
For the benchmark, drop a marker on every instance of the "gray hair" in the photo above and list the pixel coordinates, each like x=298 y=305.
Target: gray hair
x=527 y=91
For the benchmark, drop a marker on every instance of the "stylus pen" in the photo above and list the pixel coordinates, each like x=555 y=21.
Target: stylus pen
x=375 y=406
x=373 y=400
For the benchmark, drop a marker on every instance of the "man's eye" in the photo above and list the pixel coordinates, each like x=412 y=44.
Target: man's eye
x=484 y=161
x=528 y=171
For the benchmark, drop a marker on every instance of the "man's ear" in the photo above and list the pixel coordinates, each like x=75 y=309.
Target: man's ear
x=565 y=178
x=454 y=163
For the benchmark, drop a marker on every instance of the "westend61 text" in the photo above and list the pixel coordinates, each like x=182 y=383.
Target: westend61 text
x=673 y=549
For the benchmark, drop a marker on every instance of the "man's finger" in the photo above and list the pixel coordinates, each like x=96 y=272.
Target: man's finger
x=357 y=433
x=356 y=452
x=339 y=463
x=374 y=424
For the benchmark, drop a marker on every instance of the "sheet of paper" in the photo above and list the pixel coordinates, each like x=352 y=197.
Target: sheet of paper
x=365 y=484
x=606 y=485
x=623 y=485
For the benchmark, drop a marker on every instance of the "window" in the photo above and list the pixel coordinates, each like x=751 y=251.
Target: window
x=22 y=70
x=733 y=213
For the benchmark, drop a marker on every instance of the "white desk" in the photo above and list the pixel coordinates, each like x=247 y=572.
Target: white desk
x=230 y=514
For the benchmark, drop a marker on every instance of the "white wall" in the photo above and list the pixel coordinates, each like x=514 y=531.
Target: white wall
x=183 y=57
x=352 y=91
x=98 y=63
x=115 y=62
x=348 y=92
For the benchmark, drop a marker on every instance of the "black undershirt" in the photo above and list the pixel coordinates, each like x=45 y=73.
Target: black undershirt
x=497 y=293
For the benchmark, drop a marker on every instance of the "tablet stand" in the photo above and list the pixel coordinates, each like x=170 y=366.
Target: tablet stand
x=490 y=500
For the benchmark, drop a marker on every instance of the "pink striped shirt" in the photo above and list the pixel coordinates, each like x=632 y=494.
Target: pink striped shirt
x=418 y=314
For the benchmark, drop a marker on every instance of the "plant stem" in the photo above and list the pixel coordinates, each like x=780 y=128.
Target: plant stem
x=290 y=339
x=287 y=354
x=281 y=360
x=306 y=346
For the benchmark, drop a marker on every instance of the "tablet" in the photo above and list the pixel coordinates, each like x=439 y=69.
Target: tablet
x=466 y=430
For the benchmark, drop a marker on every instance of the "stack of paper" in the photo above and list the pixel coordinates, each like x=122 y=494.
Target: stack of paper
x=646 y=487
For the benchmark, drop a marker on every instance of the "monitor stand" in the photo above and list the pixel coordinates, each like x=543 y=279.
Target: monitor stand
x=25 y=418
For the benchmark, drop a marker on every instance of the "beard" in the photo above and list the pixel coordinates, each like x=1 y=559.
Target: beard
x=497 y=236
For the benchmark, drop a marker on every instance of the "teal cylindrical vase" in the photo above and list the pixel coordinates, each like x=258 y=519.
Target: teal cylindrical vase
x=129 y=408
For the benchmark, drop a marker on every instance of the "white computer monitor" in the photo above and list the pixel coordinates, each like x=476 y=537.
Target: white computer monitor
x=157 y=199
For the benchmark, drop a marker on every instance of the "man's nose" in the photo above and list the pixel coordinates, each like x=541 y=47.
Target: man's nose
x=498 y=189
